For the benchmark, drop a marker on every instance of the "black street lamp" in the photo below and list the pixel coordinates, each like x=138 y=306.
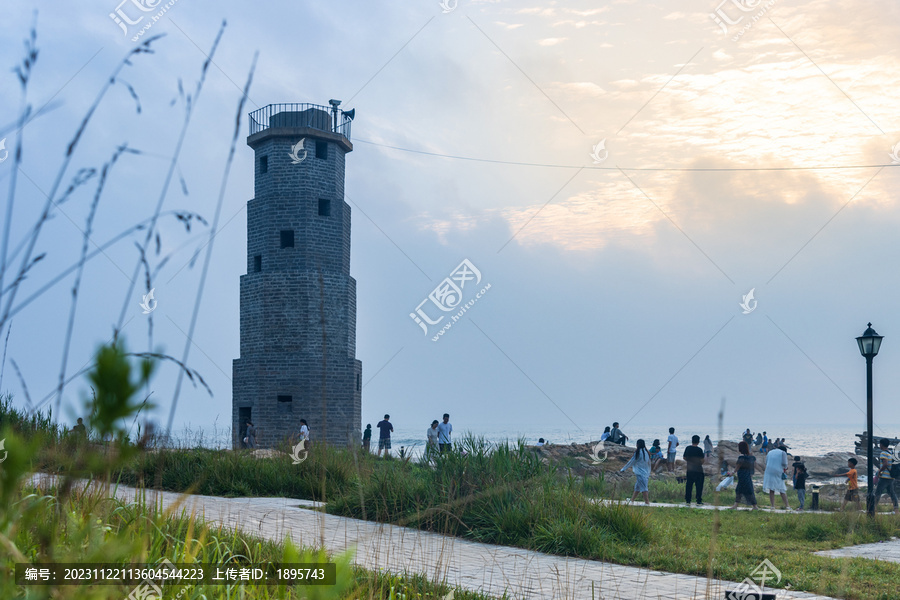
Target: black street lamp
x=869 y=344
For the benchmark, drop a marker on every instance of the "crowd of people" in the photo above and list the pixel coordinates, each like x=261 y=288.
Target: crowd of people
x=437 y=437
x=762 y=441
x=645 y=461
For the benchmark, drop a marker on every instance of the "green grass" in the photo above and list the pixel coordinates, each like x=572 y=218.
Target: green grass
x=93 y=528
x=682 y=538
x=507 y=495
x=670 y=491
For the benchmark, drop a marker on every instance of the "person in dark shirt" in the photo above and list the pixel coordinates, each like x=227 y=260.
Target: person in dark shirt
x=616 y=436
x=367 y=437
x=798 y=462
x=79 y=428
x=384 y=436
x=694 y=457
x=748 y=437
x=746 y=466
x=800 y=484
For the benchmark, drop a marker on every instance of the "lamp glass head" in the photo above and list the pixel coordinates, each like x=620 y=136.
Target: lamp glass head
x=869 y=342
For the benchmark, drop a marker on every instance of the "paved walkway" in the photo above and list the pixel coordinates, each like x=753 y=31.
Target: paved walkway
x=491 y=570
x=707 y=506
x=889 y=551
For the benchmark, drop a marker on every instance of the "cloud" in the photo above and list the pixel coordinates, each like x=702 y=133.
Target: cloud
x=551 y=41
x=582 y=88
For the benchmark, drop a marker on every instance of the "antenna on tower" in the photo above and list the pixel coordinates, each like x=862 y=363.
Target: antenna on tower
x=334 y=112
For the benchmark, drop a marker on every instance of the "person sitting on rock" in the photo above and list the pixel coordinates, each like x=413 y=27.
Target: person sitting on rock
x=616 y=436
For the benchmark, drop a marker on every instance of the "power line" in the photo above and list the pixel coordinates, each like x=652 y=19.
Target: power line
x=599 y=168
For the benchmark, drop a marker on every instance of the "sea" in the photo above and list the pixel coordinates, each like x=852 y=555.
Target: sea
x=811 y=440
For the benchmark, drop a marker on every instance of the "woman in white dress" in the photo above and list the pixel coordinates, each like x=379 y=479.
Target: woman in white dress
x=773 y=480
x=304 y=434
x=640 y=464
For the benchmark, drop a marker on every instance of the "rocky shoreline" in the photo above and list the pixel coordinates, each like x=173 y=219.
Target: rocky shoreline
x=582 y=461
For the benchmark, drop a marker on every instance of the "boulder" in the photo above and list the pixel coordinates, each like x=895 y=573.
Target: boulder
x=583 y=459
x=833 y=462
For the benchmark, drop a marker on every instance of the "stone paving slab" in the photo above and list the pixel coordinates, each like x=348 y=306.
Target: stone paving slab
x=888 y=550
x=708 y=506
x=488 y=569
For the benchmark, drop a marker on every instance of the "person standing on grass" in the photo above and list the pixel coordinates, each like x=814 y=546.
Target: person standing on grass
x=367 y=437
x=640 y=464
x=852 y=494
x=707 y=447
x=775 y=475
x=444 y=431
x=800 y=484
x=303 y=436
x=746 y=467
x=79 y=429
x=798 y=462
x=694 y=459
x=672 y=443
x=384 y=436
x=431 y=439
x=885 y=481
x=250 y=438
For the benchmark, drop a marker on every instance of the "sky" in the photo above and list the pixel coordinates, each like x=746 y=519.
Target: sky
x=622 y=174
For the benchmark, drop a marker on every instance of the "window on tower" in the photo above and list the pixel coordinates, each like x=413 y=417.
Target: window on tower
x=324 y=207
x=257 y=263
x=285 y=404
x=287 y=238
x=263 y=164
x=321 y=149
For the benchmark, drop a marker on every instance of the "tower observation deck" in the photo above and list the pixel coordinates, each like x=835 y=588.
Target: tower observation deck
x=298 y=300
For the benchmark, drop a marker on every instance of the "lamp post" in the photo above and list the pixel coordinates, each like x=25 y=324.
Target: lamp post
x=869 y=344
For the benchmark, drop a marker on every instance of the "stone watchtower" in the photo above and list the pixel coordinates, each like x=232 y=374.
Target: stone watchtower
x=298 y=301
